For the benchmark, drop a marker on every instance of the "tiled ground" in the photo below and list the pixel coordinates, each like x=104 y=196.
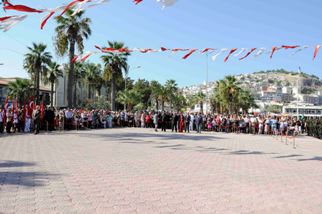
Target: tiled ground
x=139 y=171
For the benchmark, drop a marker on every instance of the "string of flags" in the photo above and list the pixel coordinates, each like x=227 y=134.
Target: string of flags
x=239 y=53
x=7 y=22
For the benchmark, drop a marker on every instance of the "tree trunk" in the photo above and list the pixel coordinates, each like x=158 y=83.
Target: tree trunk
x=37 y=86
x=157 y=103
x=113 y=91
x=52 y=95
x=162 y=105
x=75 y=93
x=70 y=83
x=201 y=107
x=89 y=91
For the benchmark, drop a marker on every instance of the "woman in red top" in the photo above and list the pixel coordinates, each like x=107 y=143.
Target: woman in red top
x=181 y=122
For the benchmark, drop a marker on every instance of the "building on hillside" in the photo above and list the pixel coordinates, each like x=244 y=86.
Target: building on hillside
x=4 y=90
x=307 y=111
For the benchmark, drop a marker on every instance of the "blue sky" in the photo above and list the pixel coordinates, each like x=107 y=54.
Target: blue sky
x=187 y=24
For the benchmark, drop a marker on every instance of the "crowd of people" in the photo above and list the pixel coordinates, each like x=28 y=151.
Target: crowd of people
x=51 y=119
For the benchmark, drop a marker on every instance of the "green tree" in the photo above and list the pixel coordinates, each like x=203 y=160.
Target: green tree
x=70 y=32
x=200 y=98
x=93 y=75
x=171 y=88
x=20 y=89
x=36 y=62
x=143 y=88
x=115 y=63
x=155 y=92
x=52 y=75
x=129 y=98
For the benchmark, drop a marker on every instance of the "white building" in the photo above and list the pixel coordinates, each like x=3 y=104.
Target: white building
x=306 y=111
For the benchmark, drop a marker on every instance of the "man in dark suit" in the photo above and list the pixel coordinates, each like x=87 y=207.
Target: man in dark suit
x=174 y=122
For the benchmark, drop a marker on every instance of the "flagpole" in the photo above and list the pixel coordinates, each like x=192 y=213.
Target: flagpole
x=207 y=70
x=298 y=93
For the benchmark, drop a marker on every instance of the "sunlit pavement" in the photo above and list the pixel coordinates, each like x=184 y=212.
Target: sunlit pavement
x=140 y=171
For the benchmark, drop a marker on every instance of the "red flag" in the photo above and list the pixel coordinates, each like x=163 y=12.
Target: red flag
x=43 y=23
x=6 y=103
x=164 y=49
x=137 y=1
x=21 y=8
x=2 y=19
x=274 y=49
x=249 y=53
x=316 y=51
x=31 y=105
x=86 y=57
x=74 y=59
x=290 y=46
x=71 y=4
x=207 y=49
x=189 y=54
x=42 y=110
x=230 y=53
x=5 y=109
x=179 y=49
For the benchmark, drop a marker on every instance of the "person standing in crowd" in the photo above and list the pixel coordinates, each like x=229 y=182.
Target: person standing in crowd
x=36 y=119
x=199 y=121
x=192 y=120
x=174 y=122
x=155 y=121
x=69 y=118
x=187 y=123
x=9 y=121
x=27 y=120
x=181 y=122
x=163 y=121
x=142 y=119
x=15 y=122
x=1 y=120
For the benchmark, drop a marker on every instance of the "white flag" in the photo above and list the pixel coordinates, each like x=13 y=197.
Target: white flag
x=214 y=57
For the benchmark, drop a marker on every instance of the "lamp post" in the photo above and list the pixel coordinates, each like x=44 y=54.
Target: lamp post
x=207 y=83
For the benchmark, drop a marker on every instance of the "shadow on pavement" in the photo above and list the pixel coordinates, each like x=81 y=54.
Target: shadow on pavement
x=26 y=179
x=8 y=164
x=316 y=158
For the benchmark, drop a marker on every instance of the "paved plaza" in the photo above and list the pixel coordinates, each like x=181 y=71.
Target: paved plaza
x=139 y=171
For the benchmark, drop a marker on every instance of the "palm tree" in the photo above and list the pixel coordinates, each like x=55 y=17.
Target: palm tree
x=115 y=63
x=93 y=75
x=155 y=92
x=53 y=73
x=20 y=89
x=80 y=72
x=70 y=32
x=36 y=62
x=171 y=88
x=130 y=98
x=200 y=98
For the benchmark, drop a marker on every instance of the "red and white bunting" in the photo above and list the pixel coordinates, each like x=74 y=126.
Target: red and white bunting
x=189 y=54
x=230 y=53
x=316 y=51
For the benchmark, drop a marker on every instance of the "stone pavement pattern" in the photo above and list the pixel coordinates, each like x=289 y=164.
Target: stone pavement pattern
x=139 y=171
